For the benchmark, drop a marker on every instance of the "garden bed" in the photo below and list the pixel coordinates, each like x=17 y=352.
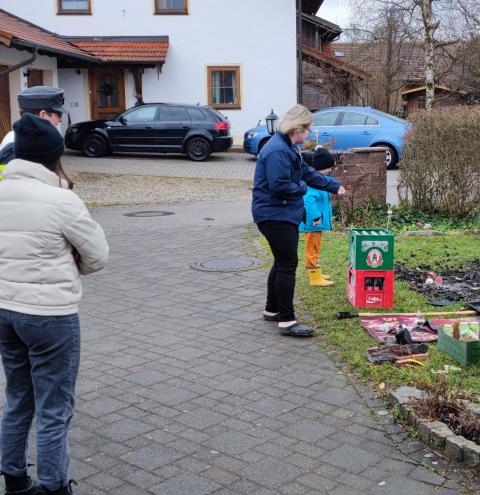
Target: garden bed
x=460 y=284
x=450 y=426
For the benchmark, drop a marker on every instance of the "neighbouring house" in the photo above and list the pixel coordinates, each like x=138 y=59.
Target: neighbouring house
x=109 y=55
x=406 y=90
x=327 y=80
x=415 y=98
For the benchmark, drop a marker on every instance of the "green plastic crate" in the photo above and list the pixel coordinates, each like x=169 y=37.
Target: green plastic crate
x=460 y=350
x=371 y=249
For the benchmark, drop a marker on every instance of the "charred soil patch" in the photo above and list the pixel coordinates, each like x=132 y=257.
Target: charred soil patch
x=461 y=284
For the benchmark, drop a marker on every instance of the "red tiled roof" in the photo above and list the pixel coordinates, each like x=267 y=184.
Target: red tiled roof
x=23 y=33
x=126 y=51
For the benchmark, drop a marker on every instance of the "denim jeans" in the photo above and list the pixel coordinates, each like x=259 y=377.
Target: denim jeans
x=40 y=356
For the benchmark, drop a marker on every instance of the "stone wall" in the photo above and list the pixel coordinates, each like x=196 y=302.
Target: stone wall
x=363 y=173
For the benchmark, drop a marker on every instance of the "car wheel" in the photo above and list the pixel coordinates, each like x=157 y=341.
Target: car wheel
x=391 y=158
x=198 y=149
x=94 y=146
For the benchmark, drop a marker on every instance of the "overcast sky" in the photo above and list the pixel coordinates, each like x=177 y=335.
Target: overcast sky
x=336 y=11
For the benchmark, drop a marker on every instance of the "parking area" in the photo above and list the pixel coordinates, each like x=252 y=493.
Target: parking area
x=220 y=166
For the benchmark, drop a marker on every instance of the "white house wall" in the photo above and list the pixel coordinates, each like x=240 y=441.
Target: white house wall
x=17 y=81
x=257 y=35
x=76 y=98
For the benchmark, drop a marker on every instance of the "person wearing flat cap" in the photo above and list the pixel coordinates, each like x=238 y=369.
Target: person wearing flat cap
x=48 y=239
x=45 y=102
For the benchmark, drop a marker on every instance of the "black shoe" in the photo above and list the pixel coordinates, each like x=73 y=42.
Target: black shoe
x=65 y=490
x=21 y=485
x=297 y=330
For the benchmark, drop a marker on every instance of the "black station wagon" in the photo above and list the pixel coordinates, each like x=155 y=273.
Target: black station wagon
x=194 y=130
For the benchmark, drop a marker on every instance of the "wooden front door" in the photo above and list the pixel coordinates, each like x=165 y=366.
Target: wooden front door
x=35 y=78
x=5 y=116
x=107 y=92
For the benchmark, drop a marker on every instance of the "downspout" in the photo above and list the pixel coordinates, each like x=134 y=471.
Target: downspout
x=299 y=53
x=21 y=64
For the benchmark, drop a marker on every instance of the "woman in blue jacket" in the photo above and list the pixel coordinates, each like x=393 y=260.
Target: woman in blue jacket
x=280 y=182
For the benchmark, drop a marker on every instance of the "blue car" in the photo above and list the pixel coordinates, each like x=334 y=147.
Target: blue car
x=343 y=128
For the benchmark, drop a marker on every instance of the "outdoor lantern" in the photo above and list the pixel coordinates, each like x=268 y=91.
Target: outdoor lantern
x=272 y=122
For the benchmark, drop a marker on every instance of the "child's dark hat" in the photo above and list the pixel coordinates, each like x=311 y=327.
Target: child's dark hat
x=322 y=159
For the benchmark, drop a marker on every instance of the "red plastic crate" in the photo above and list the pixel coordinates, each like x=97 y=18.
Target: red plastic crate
x=370 y=289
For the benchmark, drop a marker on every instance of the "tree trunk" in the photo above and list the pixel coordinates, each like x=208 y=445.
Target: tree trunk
x=388 y=68
x=430 y=28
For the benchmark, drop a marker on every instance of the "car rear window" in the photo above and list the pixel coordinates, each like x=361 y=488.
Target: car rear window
x=354 y=118
x=391 y=117
x=216 y=114
x=196 y=114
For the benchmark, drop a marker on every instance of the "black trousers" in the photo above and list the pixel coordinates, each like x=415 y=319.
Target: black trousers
x=283 y=240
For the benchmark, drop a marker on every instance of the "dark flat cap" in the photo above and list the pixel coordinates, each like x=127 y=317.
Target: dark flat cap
x=42 y=98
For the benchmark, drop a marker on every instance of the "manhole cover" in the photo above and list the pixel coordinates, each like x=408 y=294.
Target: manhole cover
x=145 y=214
x=226 y=265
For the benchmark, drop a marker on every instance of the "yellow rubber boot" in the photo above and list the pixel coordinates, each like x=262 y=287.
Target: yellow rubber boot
x=324 y=275
x=316 y=278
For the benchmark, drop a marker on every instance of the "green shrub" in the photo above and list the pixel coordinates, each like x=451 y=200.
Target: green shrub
x=440 y=171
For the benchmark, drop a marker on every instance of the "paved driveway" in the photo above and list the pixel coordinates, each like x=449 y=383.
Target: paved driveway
x=185 y=390
x=219 y=166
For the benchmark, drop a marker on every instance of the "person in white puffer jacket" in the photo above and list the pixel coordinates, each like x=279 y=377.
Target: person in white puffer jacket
x=47 y=239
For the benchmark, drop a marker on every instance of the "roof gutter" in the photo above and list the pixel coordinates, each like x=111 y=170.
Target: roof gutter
x=55 y=52
x=21 y=64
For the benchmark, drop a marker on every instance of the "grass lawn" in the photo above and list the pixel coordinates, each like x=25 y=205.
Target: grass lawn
x=347 y=339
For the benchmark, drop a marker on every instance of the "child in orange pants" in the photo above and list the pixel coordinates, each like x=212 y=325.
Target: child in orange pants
x=318 y=210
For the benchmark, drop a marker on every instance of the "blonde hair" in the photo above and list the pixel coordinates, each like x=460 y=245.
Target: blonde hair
x=298 y=118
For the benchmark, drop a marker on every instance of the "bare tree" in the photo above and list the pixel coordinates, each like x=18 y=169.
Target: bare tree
x=444 y=29
x=385 y=35
x=430 y=26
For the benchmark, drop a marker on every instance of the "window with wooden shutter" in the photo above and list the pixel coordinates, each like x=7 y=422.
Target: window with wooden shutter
x=171 y=6
x=74 y=7
x=224 y=87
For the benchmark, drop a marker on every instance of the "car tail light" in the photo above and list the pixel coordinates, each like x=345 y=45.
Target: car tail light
x=221 y=126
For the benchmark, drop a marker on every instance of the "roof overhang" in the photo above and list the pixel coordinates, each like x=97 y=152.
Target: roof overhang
x=6 y=38
x=421 y=89
x=322 y=57
x=125 y=50
x=330 y=30
x=310 y=6
x=21 y=34
x=46 y=50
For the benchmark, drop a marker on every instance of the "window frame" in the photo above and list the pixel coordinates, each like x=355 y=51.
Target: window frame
x=161 y=108
x=158 y=11
x=364 y=115
x=62 y=11
x=224 y=68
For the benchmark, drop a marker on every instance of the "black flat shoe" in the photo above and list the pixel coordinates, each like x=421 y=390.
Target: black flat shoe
x=21 y=485
x=297 y=330
x=270 y=317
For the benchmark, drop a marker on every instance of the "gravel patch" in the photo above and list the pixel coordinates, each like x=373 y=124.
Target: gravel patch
x=112 y=189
